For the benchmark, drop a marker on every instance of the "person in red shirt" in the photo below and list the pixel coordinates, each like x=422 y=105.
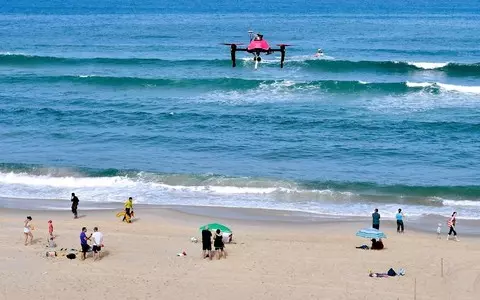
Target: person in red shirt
x=50 y=228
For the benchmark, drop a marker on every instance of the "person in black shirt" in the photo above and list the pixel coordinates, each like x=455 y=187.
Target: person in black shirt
x=377 y=245
x=219 y=245
x=75 y=205
x=207 y=243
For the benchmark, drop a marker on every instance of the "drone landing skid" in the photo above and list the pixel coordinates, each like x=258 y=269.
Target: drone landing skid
x=256 y=53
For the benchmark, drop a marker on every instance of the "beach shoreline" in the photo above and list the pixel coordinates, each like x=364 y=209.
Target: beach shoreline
x=425 y=224
x=274 y=258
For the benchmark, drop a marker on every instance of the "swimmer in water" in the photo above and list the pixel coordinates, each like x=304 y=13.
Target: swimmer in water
x=319 y=53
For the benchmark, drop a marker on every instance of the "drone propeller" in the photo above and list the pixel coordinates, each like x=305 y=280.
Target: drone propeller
x=229 y=44
x=286 y=45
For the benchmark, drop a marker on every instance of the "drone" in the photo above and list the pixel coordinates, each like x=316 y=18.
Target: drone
x=256 y=47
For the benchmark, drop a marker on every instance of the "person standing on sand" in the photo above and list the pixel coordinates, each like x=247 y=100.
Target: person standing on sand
x=451 y=223
x=399 y=217
x=84 y=242
x=74 y=205
x=376 y=219
x=219 y=245
x=207 y=243
x=97 y=243
x=27 y=230
x=50 y=228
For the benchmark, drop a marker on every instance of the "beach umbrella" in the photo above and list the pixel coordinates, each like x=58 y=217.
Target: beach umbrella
x=371 y=233
x=215 y=226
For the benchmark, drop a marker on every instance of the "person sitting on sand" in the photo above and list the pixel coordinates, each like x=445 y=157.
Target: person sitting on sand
x=227 y=237
x=27 y=230
x=219 y=245
x=51 y=242
x=84 y=242
x=377 y=245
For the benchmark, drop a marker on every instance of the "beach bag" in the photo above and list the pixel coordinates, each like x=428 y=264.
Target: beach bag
x=71 y=256
x=391 y=272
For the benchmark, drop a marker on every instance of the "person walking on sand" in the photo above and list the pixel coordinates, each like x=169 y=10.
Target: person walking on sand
x=74 y=205
x=399 y=216
x=97 y=243
x=376 y=219
x=128 y=210
x=207 y=243
x=451 y=223
x=27 y=230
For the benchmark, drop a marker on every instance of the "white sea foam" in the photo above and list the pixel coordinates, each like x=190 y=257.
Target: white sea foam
x=418 y=84
x=446 y=87
x=460 y=88
x=467 y=203
x=428 y=65
x=248 y=194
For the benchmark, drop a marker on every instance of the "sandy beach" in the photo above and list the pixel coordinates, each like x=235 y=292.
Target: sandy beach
x=270 y=260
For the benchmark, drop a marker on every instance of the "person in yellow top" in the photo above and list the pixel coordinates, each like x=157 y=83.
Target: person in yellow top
x=128 y=210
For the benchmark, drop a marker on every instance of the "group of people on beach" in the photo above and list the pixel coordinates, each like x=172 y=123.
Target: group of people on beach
x=451 y=223
x=218 y=244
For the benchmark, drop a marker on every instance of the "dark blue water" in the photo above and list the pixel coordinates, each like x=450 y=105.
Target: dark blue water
x=139 y=98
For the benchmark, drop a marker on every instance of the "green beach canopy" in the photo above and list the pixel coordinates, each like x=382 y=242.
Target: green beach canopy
x=215 y=226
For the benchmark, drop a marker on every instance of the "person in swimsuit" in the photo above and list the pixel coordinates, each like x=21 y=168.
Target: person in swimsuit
x=27 y=230
x=319 y=53
x=219 y=245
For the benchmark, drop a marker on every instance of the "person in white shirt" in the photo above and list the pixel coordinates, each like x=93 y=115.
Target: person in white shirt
x=97 y=243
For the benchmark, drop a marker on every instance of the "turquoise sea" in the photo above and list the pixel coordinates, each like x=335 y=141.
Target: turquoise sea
x=138 y=98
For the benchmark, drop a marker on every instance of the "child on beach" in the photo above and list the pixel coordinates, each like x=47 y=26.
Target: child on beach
x=51 y=242
x=439 y=230
x=27 y=230
x=50 y=228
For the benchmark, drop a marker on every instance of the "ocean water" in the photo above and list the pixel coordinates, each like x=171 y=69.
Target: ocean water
x=138 y=98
